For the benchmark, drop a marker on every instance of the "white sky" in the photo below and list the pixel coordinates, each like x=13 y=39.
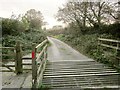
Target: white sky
x=48 y=8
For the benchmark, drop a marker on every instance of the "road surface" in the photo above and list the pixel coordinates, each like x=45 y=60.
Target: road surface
x=61 y=51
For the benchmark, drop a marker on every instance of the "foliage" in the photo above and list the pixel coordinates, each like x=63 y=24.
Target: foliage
x=10 y=27
x=83 y=15
x=44 y=87
x=112 y=29
x=88 y=45
x=26 y=29
x=106 y=31
x=26 y=39
x=34 y=18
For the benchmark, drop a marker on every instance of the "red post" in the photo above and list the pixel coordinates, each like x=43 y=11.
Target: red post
x=33 y=55
x=34 y=67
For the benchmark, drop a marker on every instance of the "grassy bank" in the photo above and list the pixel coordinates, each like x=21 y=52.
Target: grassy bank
x=88 y=45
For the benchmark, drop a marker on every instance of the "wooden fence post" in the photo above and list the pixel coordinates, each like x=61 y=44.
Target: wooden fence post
x=117 y=49
x=117 y=55
x=18 y=59
x=34 y=67
x=46 y=53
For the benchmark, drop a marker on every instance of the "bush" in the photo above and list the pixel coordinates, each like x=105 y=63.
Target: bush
x=88 y=45
x=11 y=27
x=26 y=40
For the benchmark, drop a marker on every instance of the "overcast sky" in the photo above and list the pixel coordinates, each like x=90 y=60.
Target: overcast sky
x=48 y=8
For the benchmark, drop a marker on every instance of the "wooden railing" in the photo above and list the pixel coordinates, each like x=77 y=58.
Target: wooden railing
x=15 y=53
x=112 y=44
x=13 y=60
x=39 y=57
x=7 y=57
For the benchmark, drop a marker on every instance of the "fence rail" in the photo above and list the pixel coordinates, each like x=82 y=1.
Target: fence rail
x=102 y=40
x=38 y=63
x=15 y=53
x=109 y=40
x=112 y=44
x=39 y=57
x=14 y=58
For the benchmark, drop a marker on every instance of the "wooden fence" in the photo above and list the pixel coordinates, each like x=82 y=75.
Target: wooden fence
x=13 y=60
x=39 y=57
x=112 y=44
x=15 y=53
x=4 y=57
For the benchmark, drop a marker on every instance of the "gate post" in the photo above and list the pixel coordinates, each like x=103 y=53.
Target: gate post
x=34 y=67
x=18 y=59
x=117 y=55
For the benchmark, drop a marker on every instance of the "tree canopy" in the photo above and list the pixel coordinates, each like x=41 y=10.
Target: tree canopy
x=34 y=18
x=17 y=24
x=85 y=14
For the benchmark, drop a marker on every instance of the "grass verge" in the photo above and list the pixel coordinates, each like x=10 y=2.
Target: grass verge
x=88 y=45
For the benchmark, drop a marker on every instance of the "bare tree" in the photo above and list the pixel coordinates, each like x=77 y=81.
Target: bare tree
x=83 y=14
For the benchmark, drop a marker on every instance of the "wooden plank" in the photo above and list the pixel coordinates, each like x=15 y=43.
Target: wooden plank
x=113 y=47
x=80 y=70
x=109 y=40
x=104 y=74
x=27 y=69
x=39 y=68
x=26 y=63
x=84 y=87
x=41 y=44
x=41 y=75
x=12 y=60
x=74 y=61
x=101 y=87
x=64 y=84
x=5 y=71
x=8 y=55
x=96 y=66
x=27 y=58
x=69 y=63
x=41 y=53
x=78 y=73
x=8 y=67
x=7 y=48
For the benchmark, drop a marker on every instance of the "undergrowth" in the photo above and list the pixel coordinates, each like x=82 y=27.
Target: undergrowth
x=26 y=40
x=88 y=45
